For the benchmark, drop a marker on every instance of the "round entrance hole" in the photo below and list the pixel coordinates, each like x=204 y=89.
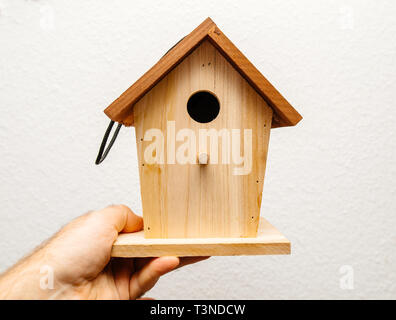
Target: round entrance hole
x=203 y=106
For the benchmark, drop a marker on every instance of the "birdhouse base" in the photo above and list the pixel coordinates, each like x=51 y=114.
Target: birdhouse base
x=269 y=241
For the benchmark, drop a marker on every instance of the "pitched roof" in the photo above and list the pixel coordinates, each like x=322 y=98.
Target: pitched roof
x=121 y=109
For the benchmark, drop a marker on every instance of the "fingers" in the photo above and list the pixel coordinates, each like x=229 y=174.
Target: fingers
x=184 y=261
x=122 y=218
x=141 y=262
x=148 y=271
x=147 y=277
x=122 y=270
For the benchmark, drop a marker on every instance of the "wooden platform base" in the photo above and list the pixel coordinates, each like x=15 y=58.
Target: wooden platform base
x=268 y=241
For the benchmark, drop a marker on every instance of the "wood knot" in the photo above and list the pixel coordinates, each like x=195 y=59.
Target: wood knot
x=217 y=31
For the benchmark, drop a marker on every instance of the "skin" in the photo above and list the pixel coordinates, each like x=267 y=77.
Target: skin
x=79 y=257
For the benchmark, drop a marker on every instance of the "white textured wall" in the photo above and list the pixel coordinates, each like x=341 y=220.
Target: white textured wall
x=330 y=181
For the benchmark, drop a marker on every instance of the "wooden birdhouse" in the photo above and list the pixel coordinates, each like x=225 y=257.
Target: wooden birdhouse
x=202 y=117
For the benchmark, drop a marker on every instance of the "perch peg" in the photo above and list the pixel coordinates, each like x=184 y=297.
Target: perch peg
x=203 y=158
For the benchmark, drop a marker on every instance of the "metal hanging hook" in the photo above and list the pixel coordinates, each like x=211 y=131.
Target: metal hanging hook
x=102 y=152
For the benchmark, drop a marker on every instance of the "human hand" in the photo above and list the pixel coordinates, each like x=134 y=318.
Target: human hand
x=78 y=260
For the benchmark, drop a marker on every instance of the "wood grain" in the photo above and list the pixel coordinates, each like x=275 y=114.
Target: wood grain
x=191 y=200
x=269 y=241
x=285 y=114
x=121 y=109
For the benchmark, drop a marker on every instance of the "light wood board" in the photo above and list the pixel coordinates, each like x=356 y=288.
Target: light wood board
x=189 y=200
x=269 y=241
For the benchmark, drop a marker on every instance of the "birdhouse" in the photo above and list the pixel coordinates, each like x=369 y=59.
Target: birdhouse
x=202 y=116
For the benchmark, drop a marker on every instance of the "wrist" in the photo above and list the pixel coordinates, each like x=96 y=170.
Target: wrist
x=32 y=278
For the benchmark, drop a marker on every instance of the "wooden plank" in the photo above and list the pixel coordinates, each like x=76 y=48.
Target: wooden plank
x=121 y=109
x=269 y=241
x=189 y=200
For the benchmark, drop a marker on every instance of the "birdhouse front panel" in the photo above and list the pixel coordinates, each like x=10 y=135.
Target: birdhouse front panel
x=202 y=136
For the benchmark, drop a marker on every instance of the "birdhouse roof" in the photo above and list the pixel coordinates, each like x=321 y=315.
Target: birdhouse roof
x=121 y=109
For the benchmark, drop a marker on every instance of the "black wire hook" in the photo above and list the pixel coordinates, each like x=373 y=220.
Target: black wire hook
x=102 y=155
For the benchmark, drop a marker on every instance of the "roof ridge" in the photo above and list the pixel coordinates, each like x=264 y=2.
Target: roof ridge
x=121 y=109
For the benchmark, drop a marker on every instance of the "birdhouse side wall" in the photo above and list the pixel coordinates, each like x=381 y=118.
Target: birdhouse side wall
x=191 y=200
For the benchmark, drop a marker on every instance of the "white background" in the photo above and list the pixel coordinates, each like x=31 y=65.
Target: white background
x=330 y=181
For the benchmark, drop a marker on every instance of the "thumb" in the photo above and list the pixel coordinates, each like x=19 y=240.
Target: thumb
x=122 y=218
